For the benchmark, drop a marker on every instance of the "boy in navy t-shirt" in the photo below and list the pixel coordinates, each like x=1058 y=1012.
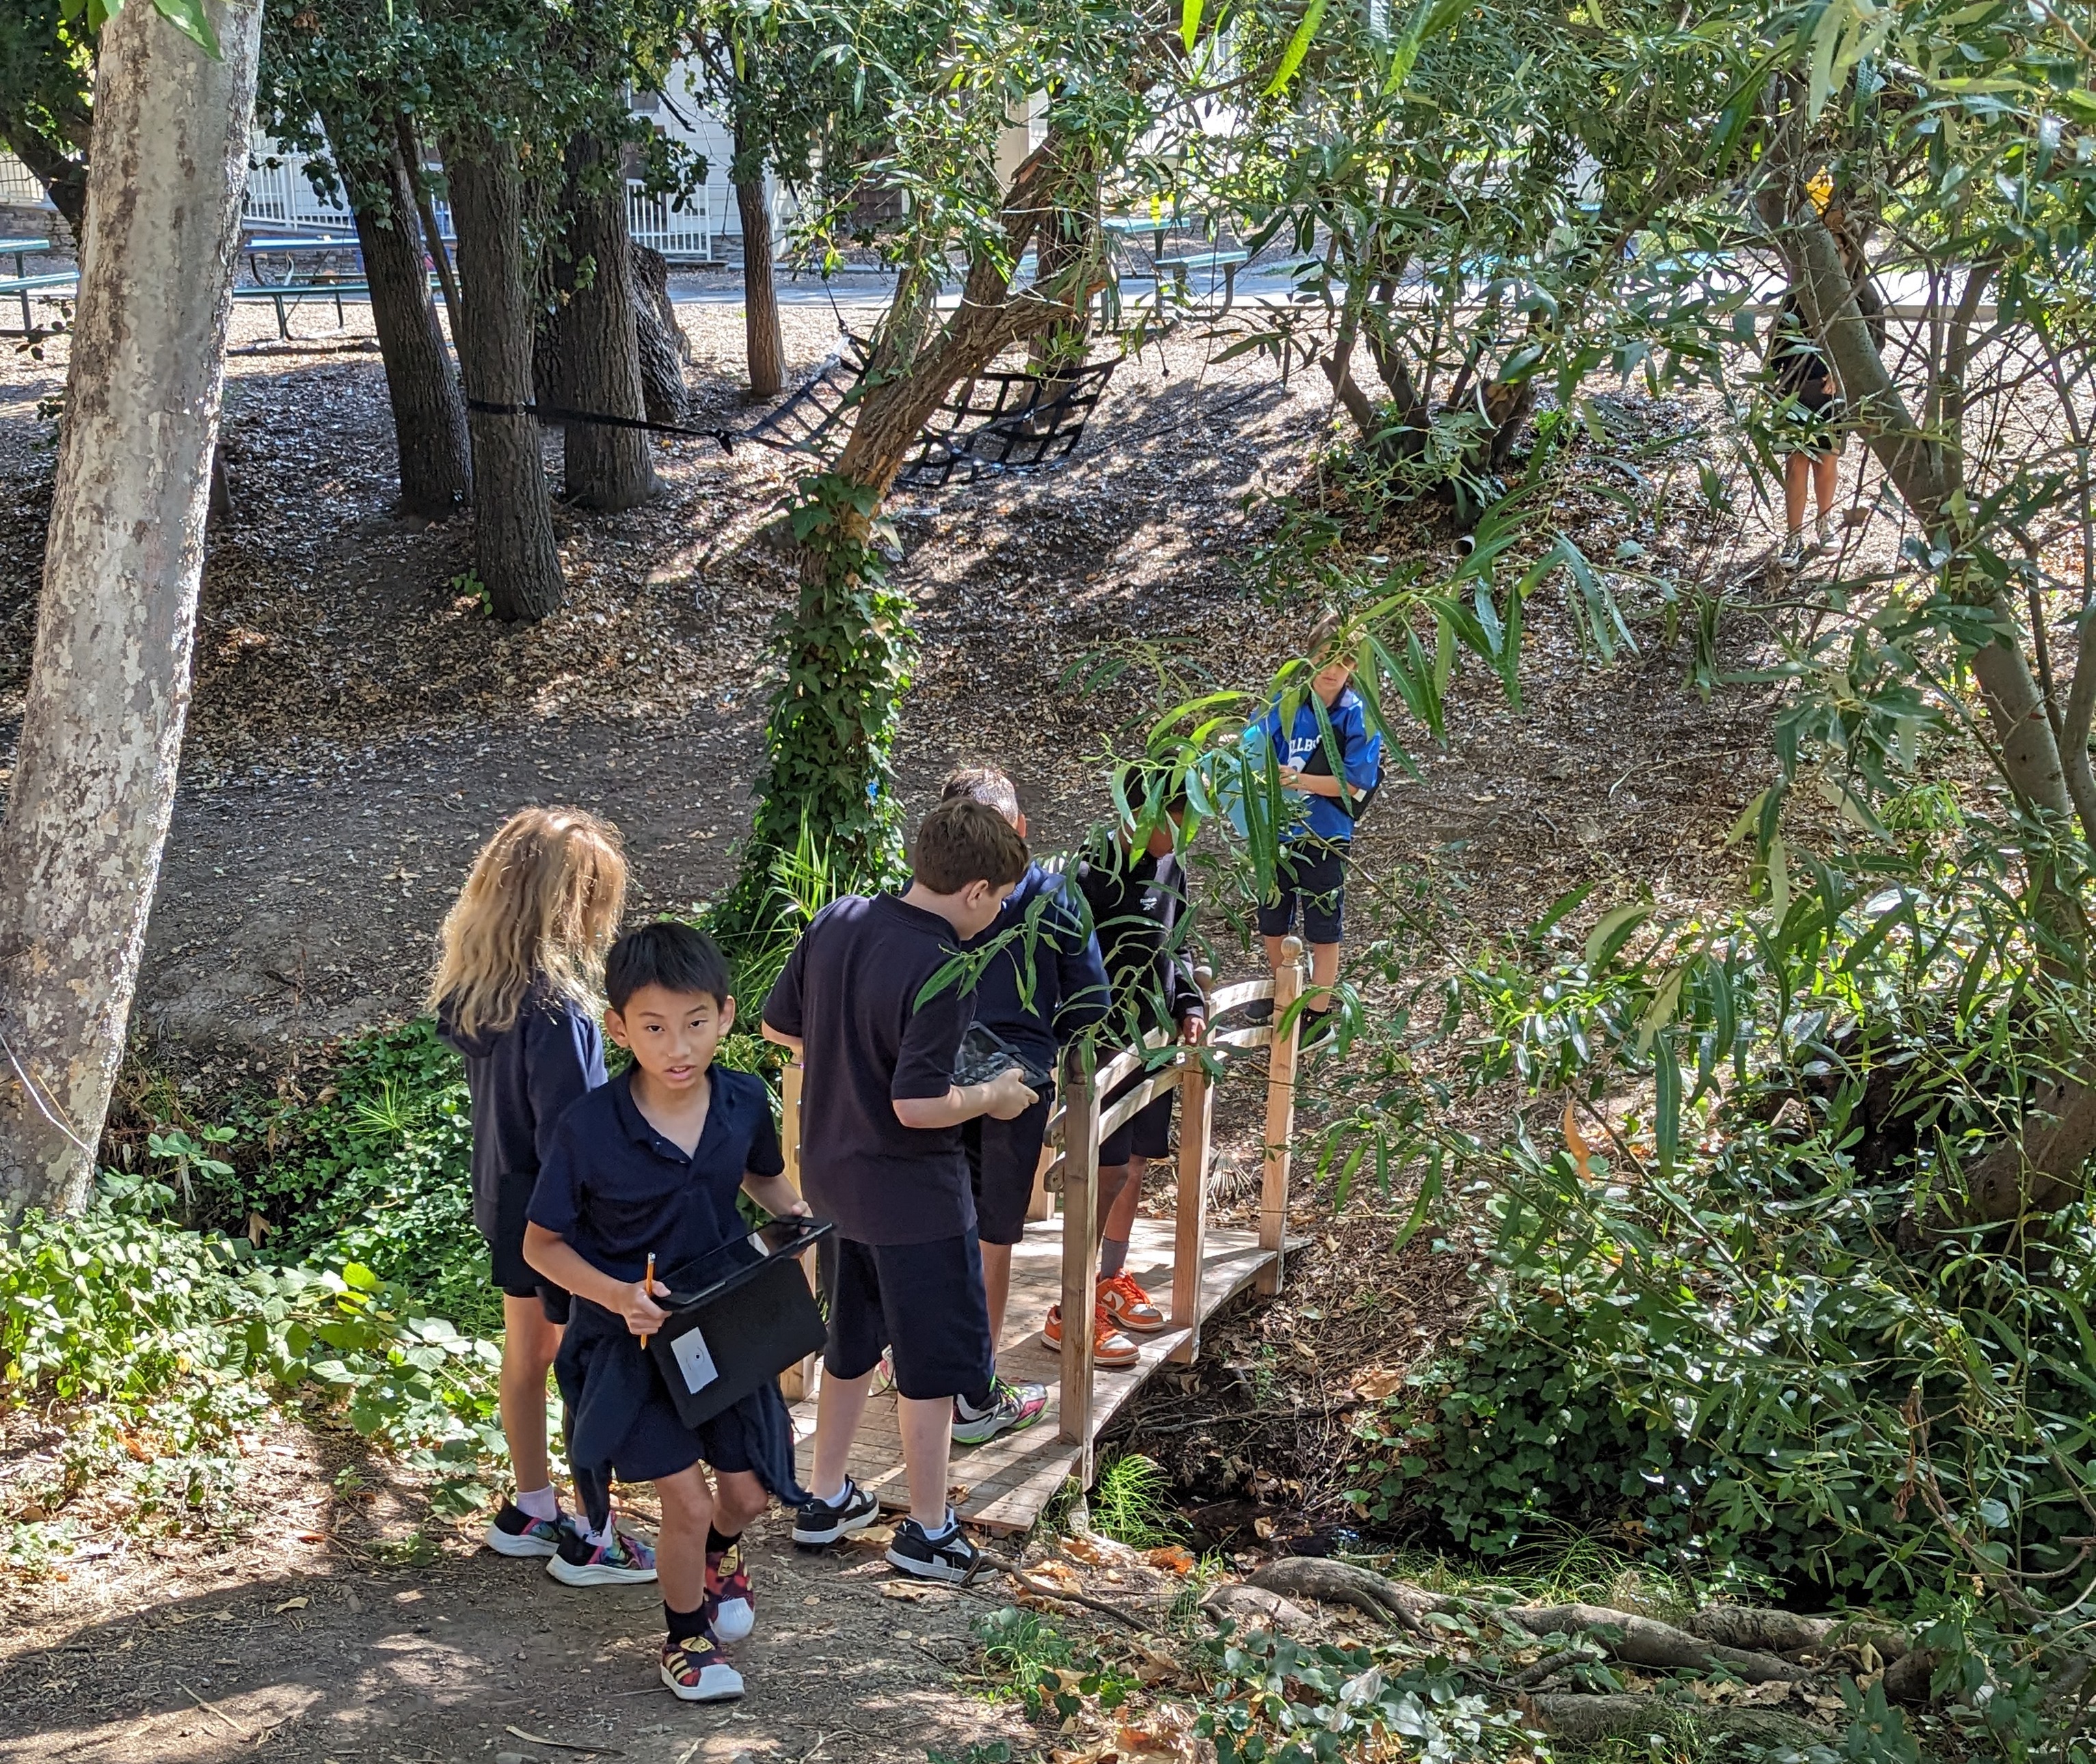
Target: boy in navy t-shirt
x=881 y=1156
x=1065 y=992
x=647 y=1169
x=1314 y=852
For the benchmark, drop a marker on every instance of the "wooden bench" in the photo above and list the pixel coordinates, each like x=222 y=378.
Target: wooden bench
x=284 y=295
x=23 y=287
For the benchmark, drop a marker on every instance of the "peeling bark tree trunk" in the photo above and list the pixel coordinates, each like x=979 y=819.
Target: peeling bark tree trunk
x=428 y=413
x=665 y=350
x=765 y=345
x=513 y=549
x=80 y=852
x=596 y=355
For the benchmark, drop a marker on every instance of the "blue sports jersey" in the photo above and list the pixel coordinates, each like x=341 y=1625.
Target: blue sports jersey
x=1361 y=752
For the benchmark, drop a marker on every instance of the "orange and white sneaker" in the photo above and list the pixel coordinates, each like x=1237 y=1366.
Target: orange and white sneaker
x=1110 y=1347
x=1129 y=1305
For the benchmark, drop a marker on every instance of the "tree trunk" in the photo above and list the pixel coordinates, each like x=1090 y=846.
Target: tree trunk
x=64 y=178
x=595 y=356
x=760 y=295
x=513 y=549
x=94 y=782
x=428 y=413
x=665 y=350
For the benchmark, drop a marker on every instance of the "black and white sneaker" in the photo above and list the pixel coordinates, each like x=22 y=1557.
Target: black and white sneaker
x=515 y=1532
x=1258 y=1011
x=949 y=1556
x=825 y=1521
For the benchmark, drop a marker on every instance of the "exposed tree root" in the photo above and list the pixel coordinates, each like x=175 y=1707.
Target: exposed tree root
x=1335 y=1582
x=1611 y=1718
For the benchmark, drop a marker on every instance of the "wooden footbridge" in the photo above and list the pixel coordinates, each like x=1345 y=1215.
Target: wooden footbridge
x=1008 y=1481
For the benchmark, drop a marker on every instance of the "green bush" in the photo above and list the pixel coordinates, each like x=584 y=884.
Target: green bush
x=169 y=1340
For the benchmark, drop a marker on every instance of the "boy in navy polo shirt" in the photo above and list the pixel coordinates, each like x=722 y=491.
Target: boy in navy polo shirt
x=1067 y=993
x=881 y=1156
x=646 y=1168
x=1314 y=851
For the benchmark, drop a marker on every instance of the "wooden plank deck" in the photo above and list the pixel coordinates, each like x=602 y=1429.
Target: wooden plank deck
x=1011 y=1478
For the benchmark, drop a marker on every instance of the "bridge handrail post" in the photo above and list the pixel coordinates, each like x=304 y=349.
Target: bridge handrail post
x=1080 y=1247
x=1288 y=982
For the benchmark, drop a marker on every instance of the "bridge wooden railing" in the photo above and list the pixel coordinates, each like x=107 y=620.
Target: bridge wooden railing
x=1079 y=1124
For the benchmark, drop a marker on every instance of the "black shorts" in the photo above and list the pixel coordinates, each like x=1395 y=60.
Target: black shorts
x=1808 y=421
x=1316 y=871
x=1147 y=1133
x=1004 y=1156
x=515 y=1276
x=923 y=1302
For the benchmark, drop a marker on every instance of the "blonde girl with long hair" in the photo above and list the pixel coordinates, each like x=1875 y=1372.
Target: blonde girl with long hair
x=516 y=992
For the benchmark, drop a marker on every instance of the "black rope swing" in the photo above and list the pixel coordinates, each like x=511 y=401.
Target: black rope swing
x=996 y=421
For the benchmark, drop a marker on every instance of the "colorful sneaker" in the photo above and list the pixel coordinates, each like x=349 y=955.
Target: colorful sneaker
x=1129 y=1306
x=825 y=1521
x=731 y=1607
x=621 y=1560
x=1011 y=1408
x=1110 y=1347
x=950 y=1557
x=697 y=1672
x=515 y=1532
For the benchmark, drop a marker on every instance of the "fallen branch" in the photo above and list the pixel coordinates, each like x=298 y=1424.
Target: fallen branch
x=209 y=1707
x=1338 y=1583
x=1047 y=1589
x=1643 y=1641
x=1747 y=1626
x=1613 y=1718
x=1257 y=1604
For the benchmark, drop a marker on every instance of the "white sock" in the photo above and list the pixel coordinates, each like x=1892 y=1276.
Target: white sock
x=941 y=1533
x=597 y=1540
x=541 y=1503
x=836 y=1495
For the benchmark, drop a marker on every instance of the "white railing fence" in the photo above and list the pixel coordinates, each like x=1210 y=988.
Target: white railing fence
x=677 y=226
x=19 y=185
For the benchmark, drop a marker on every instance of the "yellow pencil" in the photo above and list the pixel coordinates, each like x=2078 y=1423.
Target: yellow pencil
x=648 y=1285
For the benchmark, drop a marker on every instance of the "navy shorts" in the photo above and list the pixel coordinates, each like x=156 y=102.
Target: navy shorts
x=923 y=1302
x=1003 y=1158
x=517 y=1278
x=1316 y=871
x=1147 y=1133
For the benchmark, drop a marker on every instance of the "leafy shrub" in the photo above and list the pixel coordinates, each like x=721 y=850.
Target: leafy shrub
x=1133 y=1501
x=172 y=1339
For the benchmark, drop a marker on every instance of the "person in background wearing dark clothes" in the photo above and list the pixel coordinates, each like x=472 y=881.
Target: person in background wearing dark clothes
x=1136 y=888
x=1067 y=994
x=516 y=993
x=1808 y=404
x=881 y=1158
x=642 y=1178
x=1315 y=849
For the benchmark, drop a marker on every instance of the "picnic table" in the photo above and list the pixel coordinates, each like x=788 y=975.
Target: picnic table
x=291 y=246
x=22 y=284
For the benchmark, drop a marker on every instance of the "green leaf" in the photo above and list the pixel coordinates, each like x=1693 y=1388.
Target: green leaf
x=1190 y=22
x=1299 y=46
x=189 y=17
x=1614 y=932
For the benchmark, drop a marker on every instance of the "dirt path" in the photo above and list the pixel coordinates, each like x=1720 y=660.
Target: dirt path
x=306 y=1659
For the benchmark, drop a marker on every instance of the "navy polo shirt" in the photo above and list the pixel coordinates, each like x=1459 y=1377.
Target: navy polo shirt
x=521 y=1080
x=849 y=991
x=618 y=1191
x=1067 y=990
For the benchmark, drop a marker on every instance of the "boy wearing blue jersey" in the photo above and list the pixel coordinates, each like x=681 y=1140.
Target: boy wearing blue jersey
x=1328 y=796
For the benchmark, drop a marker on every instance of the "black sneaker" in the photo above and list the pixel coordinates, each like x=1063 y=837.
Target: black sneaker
x=515 y=1532
x=950 y=1557
x=1259 y=1011
x=1316 y=1028
x=825 y=1521
x=1010 y=1408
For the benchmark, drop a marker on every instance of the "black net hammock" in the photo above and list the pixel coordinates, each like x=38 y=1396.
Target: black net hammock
x=996 y=421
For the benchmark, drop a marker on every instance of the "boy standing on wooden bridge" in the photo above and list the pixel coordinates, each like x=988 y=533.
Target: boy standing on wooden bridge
x=861 y=1001
x=1047 y=984
x=1133 y=883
